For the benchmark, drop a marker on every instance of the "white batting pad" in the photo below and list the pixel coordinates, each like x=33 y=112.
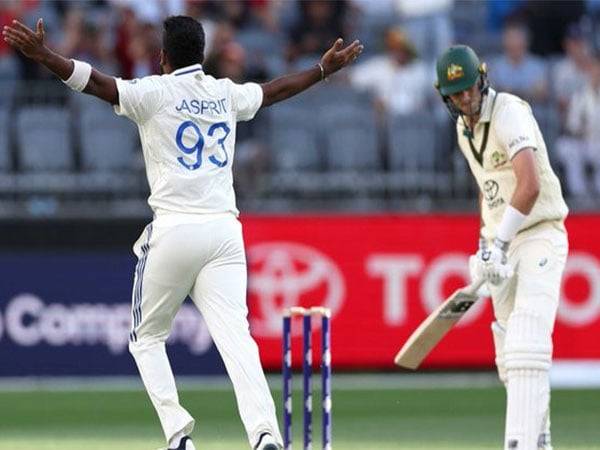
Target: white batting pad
x=527 y=354
x=528 y=341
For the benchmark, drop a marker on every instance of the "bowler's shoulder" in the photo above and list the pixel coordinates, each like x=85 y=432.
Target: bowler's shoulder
x=147 y=82
x=217 y=84
x=225 y=83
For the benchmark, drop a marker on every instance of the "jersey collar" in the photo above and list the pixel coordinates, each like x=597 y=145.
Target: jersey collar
x=187 y=69
x=487 y=106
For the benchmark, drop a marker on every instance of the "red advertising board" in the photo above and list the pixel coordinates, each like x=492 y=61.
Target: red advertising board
x=382 y=275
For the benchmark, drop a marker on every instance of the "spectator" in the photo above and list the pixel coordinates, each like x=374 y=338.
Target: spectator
x=368 y=18
x=227 y=62
x=72 y=30
x=263 y=38
x=570 y=72
x=517 y=71
x=144 y=50
x=13 y=64
x=236 y=12
x=223 y=34
x=548 y=20
x=581 y=148
x=86 y=41
x=319 y=24
x=428 y=24
x=153 y=11
x=398 y=80
x=266 y=13
x=200 y=10
x=381 y=8
x=8 y=61
x=126 y=29
x=499 y=11
x=230 y=60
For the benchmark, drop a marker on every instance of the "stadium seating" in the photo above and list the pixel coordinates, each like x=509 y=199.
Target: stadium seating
x=412 y=142
x=107 y=140
x=5 y=157
x=263 y=49
x=44 y=139
x=350 y=137
x=549 y=122
x=293 y=138
x=9 y=74
x=325 y=145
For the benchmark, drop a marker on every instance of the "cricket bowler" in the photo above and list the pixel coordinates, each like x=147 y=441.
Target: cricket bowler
x=523 y=241
x=194 y=245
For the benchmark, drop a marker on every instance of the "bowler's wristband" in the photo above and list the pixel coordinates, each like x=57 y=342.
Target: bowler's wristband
x=80 y=77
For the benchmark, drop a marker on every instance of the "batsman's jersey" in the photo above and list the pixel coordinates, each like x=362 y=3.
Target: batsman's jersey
x=506 y=127
x=187 y=123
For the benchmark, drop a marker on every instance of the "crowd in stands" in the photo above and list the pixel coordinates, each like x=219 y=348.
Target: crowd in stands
x=384 y=105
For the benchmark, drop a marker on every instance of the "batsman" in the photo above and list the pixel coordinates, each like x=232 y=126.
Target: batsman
x=523 y=241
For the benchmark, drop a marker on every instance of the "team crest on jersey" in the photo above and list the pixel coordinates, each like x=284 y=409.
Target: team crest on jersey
x=498 y=159
x=455 y=72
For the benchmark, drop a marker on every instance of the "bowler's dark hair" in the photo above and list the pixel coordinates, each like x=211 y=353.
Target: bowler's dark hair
x=183 y=41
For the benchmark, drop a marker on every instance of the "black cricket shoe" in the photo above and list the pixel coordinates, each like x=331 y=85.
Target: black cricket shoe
x=183 y=444
x=266 y=442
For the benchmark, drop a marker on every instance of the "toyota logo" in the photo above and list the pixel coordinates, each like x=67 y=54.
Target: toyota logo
x=285 y=274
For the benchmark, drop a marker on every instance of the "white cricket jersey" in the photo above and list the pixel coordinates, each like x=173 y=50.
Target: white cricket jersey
x=187 y=123
x=507 y=126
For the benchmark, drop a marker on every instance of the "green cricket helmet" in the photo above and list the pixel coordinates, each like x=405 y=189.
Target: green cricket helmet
x=459 y=68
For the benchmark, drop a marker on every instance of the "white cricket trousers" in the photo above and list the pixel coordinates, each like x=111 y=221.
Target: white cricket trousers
x=205 y=260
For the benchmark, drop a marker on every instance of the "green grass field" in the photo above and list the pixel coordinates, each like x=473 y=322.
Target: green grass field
x=367 y=419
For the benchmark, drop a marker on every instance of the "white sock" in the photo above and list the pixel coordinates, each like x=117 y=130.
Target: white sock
x=526 y=404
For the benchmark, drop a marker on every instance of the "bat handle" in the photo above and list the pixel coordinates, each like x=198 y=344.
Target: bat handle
x=474 y=286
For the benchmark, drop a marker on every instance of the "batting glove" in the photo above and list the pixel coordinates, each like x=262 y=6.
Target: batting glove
x=475 y=268
x=493 y=263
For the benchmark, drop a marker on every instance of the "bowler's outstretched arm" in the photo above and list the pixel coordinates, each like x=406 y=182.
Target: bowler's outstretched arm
x=333 y=60
x=31 y=44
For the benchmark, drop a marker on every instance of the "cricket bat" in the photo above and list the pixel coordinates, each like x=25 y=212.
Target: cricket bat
x=434 y=328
